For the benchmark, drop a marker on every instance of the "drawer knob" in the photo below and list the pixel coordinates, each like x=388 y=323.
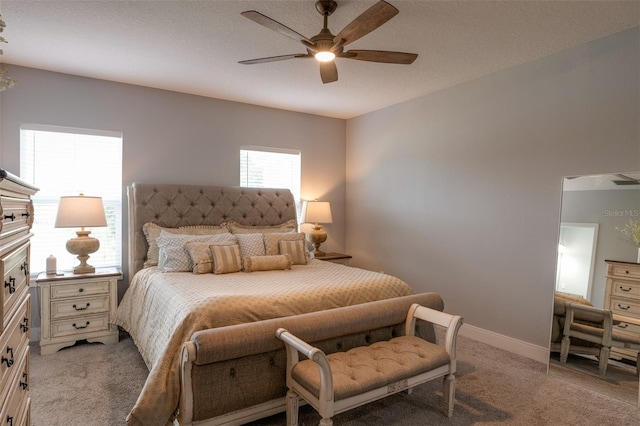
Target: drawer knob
x=11 y=284
x=80 y=290
x=25 y=267
x=626 y=272
x=24 y=384
x=10 y=216
x=625 y=289
x=624 y=308
x=10 y=420
x=80 y=327
x=81 y=309
x=8 y=361
x=25 y=325
x=26 y=214
x=623 y=325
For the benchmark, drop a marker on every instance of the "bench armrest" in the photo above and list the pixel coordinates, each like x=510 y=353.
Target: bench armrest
x=294 y=345
x=451 y=323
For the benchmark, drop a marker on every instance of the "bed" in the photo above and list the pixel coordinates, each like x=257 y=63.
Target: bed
x=164 y=307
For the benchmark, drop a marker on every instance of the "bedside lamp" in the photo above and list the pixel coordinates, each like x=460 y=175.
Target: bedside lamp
x=316 y=212
x=80 y=211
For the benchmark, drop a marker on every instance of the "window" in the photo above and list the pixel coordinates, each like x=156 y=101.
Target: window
x=66 y=161
x=271 y=168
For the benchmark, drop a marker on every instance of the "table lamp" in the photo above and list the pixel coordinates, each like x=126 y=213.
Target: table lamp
x=316 y=212
x=80 y=211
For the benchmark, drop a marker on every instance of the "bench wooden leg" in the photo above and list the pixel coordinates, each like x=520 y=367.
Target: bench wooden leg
x=293 y=402
x=449 y=394
x=326 y=422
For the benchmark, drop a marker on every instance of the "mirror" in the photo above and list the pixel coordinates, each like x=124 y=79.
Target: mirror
x=596 y=214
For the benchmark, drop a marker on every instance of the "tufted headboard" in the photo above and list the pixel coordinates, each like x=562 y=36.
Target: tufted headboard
x=173 y=205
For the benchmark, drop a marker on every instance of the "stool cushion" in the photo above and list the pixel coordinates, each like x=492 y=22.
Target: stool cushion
x=365 y=368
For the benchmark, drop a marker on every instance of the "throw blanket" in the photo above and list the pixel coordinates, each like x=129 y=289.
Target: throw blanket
x=162 y=310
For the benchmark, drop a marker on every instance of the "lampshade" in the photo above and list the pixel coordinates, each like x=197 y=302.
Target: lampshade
x=316 y=212
x=80 y=211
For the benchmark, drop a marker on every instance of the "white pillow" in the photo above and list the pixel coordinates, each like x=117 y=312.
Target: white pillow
x=173 y=254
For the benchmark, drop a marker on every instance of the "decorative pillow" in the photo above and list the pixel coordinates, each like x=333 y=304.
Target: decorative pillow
x=288 y=226
x=271 y=241
x=267 y=263
x=173 y=255
x=152 y=232
x=226 y=258
x=296 y=249
x=201 y=258
x=250 y=245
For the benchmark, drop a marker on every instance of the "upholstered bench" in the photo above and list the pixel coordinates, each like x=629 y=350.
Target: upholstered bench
x=340 y=381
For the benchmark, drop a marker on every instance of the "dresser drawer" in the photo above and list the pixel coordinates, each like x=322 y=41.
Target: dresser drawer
x=627 y=307
x=15 y=411
x=17 y=215
x=621 y=270
x=84 y=324
x=13 y=342
x=628 y=328
x=15 y=270
x=82 y=289
x=625 y=289
x=65 y=308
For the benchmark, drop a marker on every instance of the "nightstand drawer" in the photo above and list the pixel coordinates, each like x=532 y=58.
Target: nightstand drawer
x=85 y=324
x=79 y=306
x=82 y=289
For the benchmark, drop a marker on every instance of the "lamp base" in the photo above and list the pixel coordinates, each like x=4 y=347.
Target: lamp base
x=318 y=236
x=82 y=246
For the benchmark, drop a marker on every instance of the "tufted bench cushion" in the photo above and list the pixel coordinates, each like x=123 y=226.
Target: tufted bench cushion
x=364 y=368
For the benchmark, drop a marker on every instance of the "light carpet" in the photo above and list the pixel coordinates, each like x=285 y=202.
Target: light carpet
x=95 y=384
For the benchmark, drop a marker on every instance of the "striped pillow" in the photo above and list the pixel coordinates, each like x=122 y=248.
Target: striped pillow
x=295 y=249
x=226 y=258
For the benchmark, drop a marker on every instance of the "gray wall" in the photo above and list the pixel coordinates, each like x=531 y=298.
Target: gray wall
x=459 y=191
x=173 y=137
x=610 y=209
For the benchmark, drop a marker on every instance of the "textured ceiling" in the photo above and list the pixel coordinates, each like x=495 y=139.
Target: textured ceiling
x=194 y=46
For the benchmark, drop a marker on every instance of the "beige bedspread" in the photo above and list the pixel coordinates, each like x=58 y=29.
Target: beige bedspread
x=162 y=310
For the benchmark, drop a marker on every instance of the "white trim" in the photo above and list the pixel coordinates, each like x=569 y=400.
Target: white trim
x=270 y=149
x=500 y=341
x=73 y=130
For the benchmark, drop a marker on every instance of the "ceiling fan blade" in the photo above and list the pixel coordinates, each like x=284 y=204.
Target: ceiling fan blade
x=381 y=56
x=276 y=26
x=328 y=72
x=368 y=21
x=274 y=58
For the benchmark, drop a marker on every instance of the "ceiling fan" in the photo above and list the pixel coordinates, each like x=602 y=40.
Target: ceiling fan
x=325 y=47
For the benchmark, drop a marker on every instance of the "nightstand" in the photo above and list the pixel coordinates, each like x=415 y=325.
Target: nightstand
x=76 y=307
x=340 y=258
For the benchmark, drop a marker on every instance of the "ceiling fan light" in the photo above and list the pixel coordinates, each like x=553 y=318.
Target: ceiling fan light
x=325 y=56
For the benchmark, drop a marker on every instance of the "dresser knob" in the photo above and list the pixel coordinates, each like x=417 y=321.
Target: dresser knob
x=624 y=308
x=626 y=290
x=24 y=385
x=81 y=309
x=11 y=284
x=10 y=216
x=25 y=325
x=8 y=361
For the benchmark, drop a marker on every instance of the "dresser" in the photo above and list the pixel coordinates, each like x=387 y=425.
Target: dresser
x=622 y=297
x=16 y=212
x=77 y=307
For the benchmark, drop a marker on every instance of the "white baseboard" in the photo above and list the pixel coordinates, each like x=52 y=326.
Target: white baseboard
x=35 y=335
x=519 y=347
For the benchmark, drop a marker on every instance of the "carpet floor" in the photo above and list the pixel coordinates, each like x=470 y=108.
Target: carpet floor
x=95 y=384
